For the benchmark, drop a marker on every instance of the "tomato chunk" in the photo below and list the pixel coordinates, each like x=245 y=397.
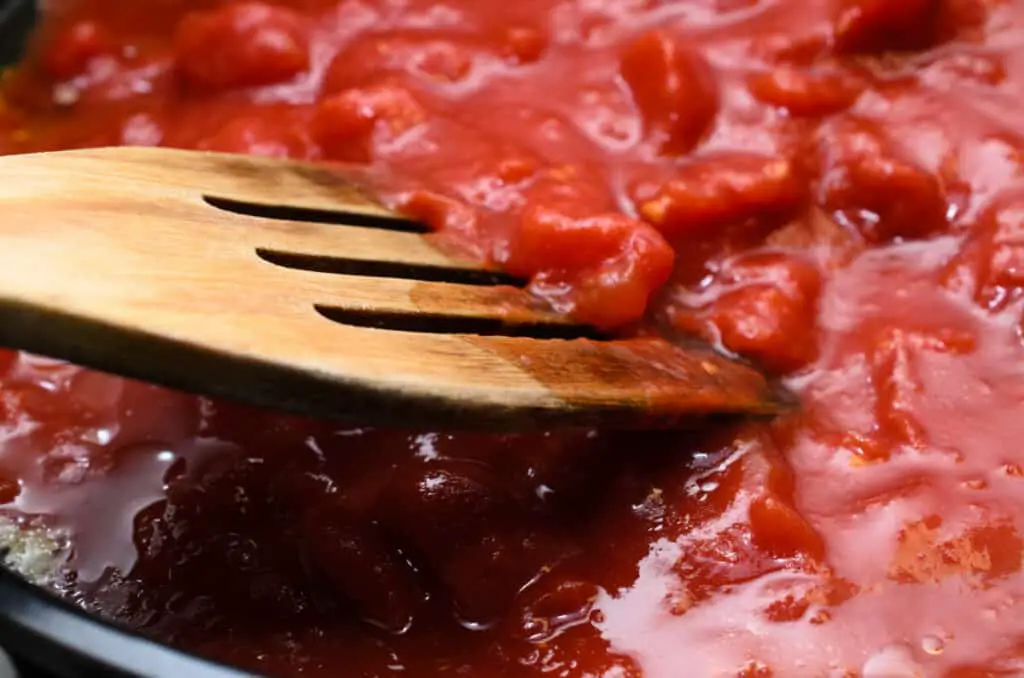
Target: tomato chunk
x=70 y=51
x=674 y=89
x=804 y=92
x=874 y=185
x=776 y=527
x=349 y=124
x=524 y=45
x=720 y=190
x=614 y=263
x=432 y=62
x=990 y=266
x=879 y=25
x=241 y=45
x=762 y=307
x=272 y=137
x=443 y=214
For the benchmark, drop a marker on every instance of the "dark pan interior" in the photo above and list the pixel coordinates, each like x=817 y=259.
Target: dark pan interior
x=46 y=636
x=16 y=20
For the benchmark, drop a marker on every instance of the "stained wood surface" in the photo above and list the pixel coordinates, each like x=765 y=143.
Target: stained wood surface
x=126 y=260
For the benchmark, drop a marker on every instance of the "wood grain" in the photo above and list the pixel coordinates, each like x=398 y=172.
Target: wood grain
x=112 y=259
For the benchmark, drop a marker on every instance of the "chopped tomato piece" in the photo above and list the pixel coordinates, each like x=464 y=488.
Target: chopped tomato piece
x=262 y=135
x=879 y=25
x=717 y=191
x=673 y=87
x=614 y=263
x=244 y=44
x=524 y=45
x=868 y=179
x=805 y=92
x=776 y=527
x=391 y=57
x=762 y=307
x=347 y=125
x=70 y=51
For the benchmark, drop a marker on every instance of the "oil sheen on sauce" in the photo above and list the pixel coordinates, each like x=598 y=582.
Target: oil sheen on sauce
x=831 y=188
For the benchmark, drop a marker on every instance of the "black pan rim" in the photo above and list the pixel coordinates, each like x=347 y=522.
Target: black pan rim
x=49 y=634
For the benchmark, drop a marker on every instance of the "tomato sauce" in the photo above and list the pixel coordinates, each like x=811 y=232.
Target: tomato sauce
x=831 y=188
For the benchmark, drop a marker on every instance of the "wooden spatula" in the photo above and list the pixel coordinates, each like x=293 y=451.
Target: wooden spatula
x=281 y=284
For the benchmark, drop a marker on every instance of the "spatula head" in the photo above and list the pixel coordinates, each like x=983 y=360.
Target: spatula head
x=282 y=284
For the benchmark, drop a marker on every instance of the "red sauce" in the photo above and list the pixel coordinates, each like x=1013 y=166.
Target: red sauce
x=831 y=188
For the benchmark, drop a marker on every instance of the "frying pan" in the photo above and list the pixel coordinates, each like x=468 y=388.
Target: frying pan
x=46 y=636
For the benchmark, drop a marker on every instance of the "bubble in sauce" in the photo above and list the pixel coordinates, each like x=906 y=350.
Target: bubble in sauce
x=893 y=661
x=933 y=645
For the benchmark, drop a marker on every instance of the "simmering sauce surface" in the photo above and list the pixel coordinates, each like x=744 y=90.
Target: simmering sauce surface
x=831 y=188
